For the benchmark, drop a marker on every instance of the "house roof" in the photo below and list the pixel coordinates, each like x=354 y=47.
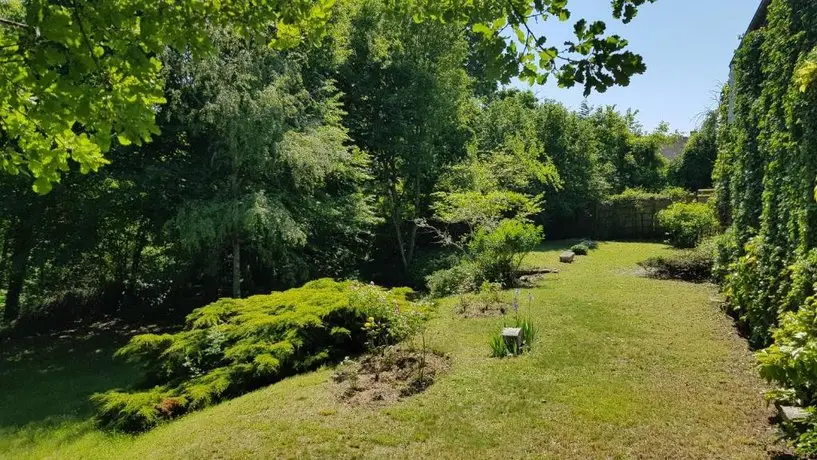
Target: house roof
x=759 y=19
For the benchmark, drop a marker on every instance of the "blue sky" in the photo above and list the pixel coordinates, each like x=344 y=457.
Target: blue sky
x=686 y=44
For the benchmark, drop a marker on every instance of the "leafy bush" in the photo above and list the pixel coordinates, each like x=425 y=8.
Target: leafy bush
x=688 y=223
x=497 y=252
x=791 y=361
x=688 y=265
x=493 y=255
x=580 y=249
x=235 y=345
x=455 y=280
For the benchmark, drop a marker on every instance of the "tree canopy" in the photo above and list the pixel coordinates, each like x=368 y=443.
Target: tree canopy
x=81 y=75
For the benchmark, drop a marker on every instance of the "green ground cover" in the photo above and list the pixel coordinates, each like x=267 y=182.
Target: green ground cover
x=624 y=367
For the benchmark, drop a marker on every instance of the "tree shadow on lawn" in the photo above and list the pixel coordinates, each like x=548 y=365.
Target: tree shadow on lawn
x=47 y=380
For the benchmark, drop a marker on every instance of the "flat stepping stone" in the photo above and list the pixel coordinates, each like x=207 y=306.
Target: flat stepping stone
x=513 y=338
x=792 y=413
x=567 y=257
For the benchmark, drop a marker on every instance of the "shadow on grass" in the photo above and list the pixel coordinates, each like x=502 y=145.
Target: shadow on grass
x=47 y=380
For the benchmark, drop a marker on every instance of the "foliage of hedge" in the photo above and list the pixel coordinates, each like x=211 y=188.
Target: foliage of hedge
x=765 y=177
x=635 y=196
x=235 y=345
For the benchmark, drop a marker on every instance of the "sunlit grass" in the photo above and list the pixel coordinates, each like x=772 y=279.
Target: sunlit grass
x=623 y=367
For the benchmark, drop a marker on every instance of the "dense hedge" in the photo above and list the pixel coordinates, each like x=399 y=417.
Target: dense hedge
x=765 y=177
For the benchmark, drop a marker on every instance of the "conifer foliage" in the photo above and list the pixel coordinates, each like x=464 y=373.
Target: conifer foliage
x=235 y=345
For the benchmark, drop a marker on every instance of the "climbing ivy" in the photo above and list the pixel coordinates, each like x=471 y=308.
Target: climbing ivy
x=766 y=168
x=764 y=178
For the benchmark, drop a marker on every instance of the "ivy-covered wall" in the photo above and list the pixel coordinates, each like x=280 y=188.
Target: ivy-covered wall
x=766 y=169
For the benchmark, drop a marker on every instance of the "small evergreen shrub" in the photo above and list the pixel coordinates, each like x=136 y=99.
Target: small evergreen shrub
x=688 y=223
x=687 y=265
x=235 y=345
x=580 y=249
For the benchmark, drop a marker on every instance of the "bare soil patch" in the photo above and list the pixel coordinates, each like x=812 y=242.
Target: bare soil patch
x=385 y=378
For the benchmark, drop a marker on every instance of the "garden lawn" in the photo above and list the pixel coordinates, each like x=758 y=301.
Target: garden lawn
x=624 y=367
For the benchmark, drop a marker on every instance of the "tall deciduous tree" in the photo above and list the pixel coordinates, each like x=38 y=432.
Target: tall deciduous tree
x=407 y=94
x=693 y=168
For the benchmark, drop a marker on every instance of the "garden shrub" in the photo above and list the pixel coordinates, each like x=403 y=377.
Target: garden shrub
x=791 y=361
x=485 y=301
x=580 y=249
x=687 y=264
x=235 y=345
x=493 y=255
x=688 y=223
x=458 y=279
x=498 y=252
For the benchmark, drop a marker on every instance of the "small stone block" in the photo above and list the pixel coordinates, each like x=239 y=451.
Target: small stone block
x=512 y=337
x=567 y=257
x=792 y=413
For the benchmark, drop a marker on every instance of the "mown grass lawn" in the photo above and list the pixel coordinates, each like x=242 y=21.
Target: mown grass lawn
x=625 y=367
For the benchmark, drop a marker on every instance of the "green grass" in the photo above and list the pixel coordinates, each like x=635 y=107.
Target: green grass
x=624 y=367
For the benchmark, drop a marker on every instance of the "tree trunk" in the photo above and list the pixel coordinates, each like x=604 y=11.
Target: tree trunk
x=236 y=269
x=412 y=243
x=21 y=250
x=136 y=262
x=398 y=231
x=4 y=256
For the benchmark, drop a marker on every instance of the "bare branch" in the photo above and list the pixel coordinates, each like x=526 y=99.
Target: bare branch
x=10 y=23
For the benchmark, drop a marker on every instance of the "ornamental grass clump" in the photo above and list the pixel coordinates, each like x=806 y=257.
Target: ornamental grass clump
x=233 y=346
x=501 y=348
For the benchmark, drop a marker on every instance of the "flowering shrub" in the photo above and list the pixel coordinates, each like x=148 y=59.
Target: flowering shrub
x=235 y=345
